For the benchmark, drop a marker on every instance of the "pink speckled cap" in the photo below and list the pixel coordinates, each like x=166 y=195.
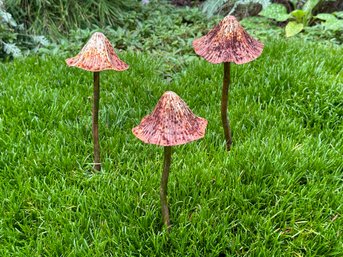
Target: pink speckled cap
x=228 y=42
x=97 y=55
x=171 y=123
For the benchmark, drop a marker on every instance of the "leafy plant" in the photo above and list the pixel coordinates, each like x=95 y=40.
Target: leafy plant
x=300 y=18
x=212 y=7
x=14 y=41
x=276 y=12
x=8 y=35
x=59 y=16
x=331 y=21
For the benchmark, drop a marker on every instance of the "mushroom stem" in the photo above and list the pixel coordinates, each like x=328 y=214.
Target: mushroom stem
x=95 y=130
x=224 y=106
x=164 y=184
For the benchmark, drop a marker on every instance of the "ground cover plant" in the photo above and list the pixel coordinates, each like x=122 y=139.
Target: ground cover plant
x=279 y=191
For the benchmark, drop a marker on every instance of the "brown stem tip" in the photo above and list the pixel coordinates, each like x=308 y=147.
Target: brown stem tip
x=164 y=186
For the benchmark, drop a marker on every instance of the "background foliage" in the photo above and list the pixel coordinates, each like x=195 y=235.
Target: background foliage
x=15 y=41
x=157 y=27
x=57 y=17
x=302 y=18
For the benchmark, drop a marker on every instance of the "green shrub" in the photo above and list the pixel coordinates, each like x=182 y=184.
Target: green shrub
x=59 y=16
x=14 y=41
x=212 y=7
x=300 y=19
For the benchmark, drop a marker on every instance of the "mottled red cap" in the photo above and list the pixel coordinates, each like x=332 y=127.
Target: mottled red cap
x=97 y=55
x=171 y=123
x=228 y=42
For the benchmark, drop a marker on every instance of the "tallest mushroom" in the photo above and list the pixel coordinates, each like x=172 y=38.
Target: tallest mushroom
x=97 y=55
x=227 y=42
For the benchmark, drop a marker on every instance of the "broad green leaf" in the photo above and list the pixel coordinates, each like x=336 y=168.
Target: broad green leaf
x=339 y=14
x=298 y=14
x=326 y=16
x=293 y=28
x=301 y=16
x=333 y=24
x=276 y=12
x=310 y=4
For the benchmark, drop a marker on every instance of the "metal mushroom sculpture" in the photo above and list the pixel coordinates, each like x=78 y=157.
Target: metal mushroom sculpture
x=171 y=123
x=97 y=55
x=227 y=42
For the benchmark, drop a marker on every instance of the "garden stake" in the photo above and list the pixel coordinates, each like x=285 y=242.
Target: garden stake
x=227 y=42
x=171 y=123
x=97 y=55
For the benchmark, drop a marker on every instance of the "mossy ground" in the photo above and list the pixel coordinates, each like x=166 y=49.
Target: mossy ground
x=277 y=193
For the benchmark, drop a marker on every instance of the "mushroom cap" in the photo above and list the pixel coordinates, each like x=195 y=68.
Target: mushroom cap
x=171 y=123
x=97 y=55
x=228 y=42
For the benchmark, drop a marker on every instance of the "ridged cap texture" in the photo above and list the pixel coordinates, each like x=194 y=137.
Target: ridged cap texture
x=228 y=42
x=97 y=55
x=171 y=123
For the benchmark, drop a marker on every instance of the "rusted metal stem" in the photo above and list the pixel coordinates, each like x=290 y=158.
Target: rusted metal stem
x=164 y=185
x=224 y=106
x=95 y=129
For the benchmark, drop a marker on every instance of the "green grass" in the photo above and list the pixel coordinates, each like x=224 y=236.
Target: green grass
x=278 y=193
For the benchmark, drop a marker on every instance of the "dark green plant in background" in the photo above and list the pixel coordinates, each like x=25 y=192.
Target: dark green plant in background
x=59 y=16
x=157 y=27
x=14 y=39
x=8 y=35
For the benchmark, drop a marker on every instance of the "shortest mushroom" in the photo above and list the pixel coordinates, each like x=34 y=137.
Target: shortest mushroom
x=171 y=123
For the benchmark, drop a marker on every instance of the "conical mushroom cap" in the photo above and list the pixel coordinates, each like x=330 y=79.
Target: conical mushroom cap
x=228 y=42
x=97 y=55
x=171 y=123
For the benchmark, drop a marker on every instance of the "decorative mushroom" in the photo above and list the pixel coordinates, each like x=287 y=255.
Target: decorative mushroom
x=97 y=55
x=171 y=123
x=227 y=42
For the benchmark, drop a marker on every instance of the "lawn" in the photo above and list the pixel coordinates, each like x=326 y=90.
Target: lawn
x=279 y=192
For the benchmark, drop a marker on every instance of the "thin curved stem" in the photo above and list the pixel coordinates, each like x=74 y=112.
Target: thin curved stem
x=164 y=186
x=224 y=105
x=95 y=129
